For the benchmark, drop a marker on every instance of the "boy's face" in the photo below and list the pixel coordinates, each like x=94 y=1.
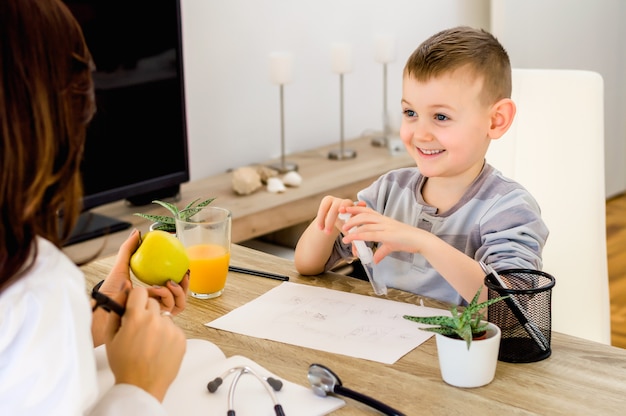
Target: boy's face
x=445 y=127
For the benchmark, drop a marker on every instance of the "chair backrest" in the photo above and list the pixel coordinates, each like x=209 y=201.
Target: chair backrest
x=555 y=149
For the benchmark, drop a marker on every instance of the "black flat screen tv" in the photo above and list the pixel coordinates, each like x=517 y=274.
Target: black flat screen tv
x=136 y=146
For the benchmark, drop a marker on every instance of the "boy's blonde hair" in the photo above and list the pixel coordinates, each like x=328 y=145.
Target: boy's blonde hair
x=474 y=49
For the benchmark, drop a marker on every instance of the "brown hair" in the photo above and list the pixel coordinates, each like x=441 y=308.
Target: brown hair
x=464 y=47
x=46 y=102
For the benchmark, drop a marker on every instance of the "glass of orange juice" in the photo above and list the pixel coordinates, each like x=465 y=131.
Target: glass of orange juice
x=206 y=235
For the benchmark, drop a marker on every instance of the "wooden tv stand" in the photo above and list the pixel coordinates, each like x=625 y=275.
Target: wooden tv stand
x=263 y=212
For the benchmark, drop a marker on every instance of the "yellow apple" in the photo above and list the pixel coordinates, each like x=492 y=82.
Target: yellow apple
x=160 y=257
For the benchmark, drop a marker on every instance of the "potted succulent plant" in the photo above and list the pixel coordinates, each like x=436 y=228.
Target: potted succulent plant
x=168 y=223
x=467 y=344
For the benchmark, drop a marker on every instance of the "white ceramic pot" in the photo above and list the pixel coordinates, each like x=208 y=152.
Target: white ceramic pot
x=475 y=367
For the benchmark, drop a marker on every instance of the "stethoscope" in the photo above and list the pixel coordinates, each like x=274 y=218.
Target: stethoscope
x=324 y=381
x=271 y=385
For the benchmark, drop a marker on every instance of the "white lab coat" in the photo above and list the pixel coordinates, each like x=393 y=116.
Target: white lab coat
x=47 y=364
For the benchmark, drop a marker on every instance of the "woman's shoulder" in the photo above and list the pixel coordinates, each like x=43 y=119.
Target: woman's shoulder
x=51 y=281
x=52 y=268
x=45 y=334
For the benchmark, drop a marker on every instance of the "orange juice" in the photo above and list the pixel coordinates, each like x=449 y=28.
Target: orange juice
x=208 y=264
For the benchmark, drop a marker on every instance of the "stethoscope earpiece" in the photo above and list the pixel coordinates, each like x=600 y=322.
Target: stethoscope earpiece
x=214 y=384
x=323 y=381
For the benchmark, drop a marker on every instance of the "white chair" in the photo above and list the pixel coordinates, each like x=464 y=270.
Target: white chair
x=555 y=148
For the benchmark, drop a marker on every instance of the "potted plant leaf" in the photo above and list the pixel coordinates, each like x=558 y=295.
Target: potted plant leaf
x=467 y=344
x=168 y=222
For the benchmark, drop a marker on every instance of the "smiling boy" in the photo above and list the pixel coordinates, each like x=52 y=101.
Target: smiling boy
x=433 y=223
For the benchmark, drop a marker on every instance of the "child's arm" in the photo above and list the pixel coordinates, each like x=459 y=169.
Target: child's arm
x=313 y=249
x=462 y=272
x=316 y=242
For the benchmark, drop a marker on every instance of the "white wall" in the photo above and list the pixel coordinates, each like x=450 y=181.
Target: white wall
x=574 y=34
x=232 y=107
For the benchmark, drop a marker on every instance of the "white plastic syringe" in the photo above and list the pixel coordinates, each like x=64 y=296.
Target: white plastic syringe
x=366 y=256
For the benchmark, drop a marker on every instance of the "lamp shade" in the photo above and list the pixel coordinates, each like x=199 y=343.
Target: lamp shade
x=281 y=68
x=341 y=56
x=384 y=48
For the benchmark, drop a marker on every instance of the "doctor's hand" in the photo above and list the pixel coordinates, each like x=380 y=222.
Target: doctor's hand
x=172 y=297
x=145 y=348
x=118 y=281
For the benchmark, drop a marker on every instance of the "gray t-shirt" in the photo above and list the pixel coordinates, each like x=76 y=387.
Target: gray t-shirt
x=496 y=221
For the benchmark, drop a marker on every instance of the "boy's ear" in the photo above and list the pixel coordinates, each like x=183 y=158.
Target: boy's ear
x=502 y=114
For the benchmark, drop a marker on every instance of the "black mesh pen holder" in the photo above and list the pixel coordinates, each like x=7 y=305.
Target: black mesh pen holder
x=525 y=317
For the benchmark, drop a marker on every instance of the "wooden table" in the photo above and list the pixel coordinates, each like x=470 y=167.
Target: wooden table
x=579 y=378
x=263 y=212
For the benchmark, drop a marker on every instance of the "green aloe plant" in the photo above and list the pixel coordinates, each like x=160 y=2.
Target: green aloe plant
x=168 y=223
x=466 y=325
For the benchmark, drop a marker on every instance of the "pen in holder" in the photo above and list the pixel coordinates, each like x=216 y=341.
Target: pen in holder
x=525 y=316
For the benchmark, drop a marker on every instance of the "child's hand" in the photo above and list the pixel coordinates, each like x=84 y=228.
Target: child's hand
x=327 y=214
x=315 y=245
x=391 y=235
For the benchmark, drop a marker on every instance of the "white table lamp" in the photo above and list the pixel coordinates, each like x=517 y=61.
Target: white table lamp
x=341 y=59
x=384 y=53
x=281 y=73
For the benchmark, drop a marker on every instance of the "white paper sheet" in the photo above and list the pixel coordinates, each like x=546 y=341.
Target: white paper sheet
x=330 y=320
x=203 y=362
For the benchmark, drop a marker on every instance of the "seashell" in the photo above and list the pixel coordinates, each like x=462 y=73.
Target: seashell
x=266 y=172
x=246 y=180
x=292 y=178
x=275 y=185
